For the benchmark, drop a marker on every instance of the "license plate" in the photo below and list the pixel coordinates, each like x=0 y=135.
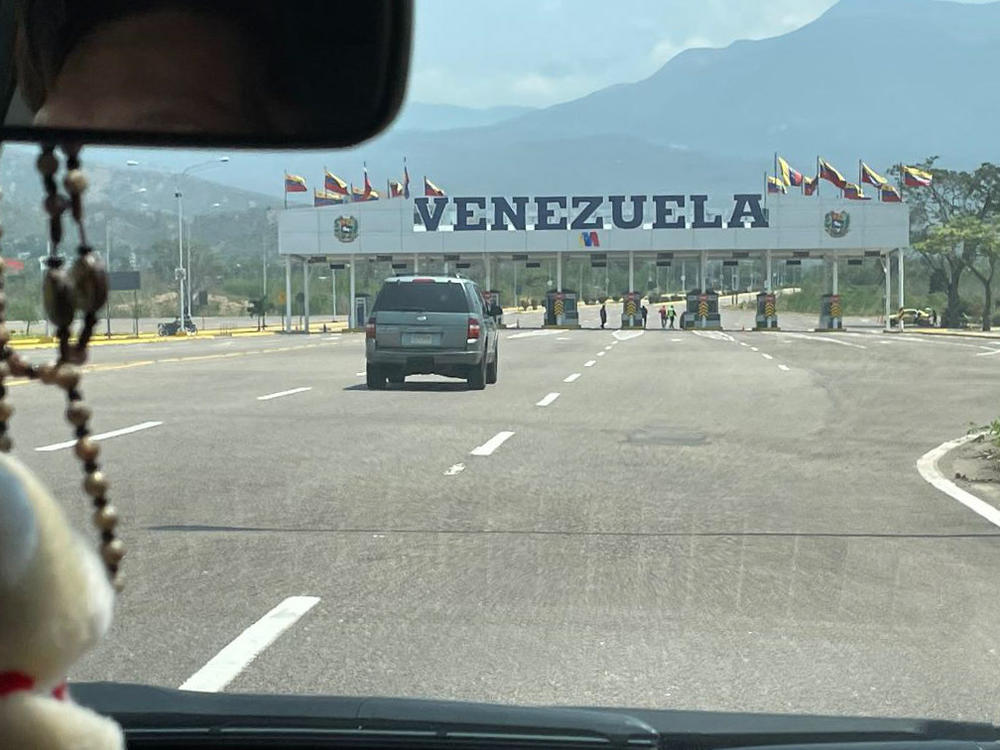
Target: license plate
x=421 y=339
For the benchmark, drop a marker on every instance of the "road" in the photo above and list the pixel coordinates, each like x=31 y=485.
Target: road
x=705 y=521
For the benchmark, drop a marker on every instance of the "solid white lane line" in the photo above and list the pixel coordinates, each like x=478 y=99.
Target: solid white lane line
x=492 y=444
x=626 y=335
x=454 y=469
x=825 y=339
x=548 y=399
x=990 y=353
x=928 y=468
x=590 y=363
x=571 y=378
x=683 y=339
x=767 y=356
x=279 y=394
x=562 y=338
x=532 y=334
x=601 y=354
x=226 y=665
x=786 y=368
x=101 y=436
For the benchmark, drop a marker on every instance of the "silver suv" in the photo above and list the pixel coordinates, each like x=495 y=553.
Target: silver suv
x=431 y=325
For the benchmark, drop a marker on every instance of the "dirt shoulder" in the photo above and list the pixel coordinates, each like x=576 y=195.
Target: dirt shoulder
x=975 y=467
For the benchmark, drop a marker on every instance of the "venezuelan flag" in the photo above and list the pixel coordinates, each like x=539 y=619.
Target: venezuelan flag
x=406 y=180
x=830 y=174
x=775 y=185
x=872 y=177
x=295 y=184
x=791 y=177
x=326 y=198
x=431 y=189
x=809 y=185
x=853 y=192
x=913 y=177
x=395 y=189
x=889 y=194
x=333 y=184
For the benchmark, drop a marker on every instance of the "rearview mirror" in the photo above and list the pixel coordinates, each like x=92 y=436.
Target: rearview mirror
x=254 y=73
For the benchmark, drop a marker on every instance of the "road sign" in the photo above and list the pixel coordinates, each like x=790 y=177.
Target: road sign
x=122 y=281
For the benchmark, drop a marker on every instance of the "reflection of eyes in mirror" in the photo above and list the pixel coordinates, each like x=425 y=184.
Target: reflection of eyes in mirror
x=179 y=67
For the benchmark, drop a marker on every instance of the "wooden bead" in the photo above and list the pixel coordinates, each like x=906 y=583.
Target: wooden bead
x=67 y=376
x=118 y=582
x=4 y=369
x=47 y=163
x=5 y=410
x=95 y=485
x=47 y=373
x=4 y=334
x=75 y=181
x=77 y=414
x=113 y=551
x=106 y=518
x=6 y=443
x=54 y=204
x=86 y=449
x=90 y=283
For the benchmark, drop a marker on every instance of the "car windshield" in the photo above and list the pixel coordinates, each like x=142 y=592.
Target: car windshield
x=721 y=430
x=418 y=296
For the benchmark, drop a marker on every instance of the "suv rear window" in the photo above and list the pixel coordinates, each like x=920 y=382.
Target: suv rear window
x=434 y=296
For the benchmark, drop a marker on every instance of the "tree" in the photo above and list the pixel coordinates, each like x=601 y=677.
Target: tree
x=987 y=249
x=950 y=248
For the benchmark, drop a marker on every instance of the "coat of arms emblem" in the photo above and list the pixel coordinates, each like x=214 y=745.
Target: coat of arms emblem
x=346 y=228
x=837 y=223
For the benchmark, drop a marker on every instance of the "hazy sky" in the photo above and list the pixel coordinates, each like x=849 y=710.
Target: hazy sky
x=540 y=52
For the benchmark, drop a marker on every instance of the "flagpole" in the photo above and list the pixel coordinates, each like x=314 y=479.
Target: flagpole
x=776 y=168
x=285 y=186
x=767 y=188
x=817 y=176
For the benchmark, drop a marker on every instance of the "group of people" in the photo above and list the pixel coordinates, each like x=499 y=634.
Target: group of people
x=667 y=315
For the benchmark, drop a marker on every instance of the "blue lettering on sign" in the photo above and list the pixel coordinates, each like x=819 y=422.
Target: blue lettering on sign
x=617 y=201
x=664 y=211
x=546 y=210
x=700 y=222
x=517 y=214
x=584 y=214
x=583 y=220
x=464 y=213
x=748 y=204
x=430 y=221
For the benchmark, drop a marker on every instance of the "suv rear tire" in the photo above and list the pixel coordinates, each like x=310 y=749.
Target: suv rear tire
x=374 y=378
x=477 y=376
x=491 y=370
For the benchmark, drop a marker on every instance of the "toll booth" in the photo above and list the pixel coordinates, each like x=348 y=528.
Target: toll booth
x=767 y=313
x=631 y=310
x=701 y=310
x=830 y=313
x=561 y=308
x=492 y=297
x=362 y=304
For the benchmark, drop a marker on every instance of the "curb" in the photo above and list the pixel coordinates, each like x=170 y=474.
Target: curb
x=950 y=332
x=927 y=465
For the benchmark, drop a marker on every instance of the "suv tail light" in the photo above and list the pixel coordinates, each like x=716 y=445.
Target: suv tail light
x=473 y=329
x=370 y=328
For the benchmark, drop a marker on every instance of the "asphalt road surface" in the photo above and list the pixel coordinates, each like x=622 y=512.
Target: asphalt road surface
x=705 y=521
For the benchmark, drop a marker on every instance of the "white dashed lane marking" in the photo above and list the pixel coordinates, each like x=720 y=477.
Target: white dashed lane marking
x=548 y=399
x=487 y=448
x=572 y=377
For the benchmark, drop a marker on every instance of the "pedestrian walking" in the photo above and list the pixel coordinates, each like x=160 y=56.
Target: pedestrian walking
x=671 y=314
x=645 y=314
x=604 y=315
x=663 y=316
x=933 y=318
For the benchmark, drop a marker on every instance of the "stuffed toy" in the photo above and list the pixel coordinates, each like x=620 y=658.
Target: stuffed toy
x=55 y=604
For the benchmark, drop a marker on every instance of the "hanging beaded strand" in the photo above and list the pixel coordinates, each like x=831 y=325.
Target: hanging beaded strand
x=83 y=289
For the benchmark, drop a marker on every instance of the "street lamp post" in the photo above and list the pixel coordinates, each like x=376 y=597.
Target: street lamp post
x=181 y=271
